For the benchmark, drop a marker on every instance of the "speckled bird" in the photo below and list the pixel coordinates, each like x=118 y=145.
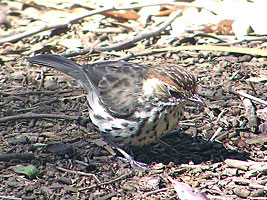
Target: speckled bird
x=130 y=103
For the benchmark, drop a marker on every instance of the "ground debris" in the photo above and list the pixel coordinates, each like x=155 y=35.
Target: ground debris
x=218 y=152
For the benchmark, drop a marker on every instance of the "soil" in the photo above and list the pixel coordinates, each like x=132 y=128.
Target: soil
x=219 y=150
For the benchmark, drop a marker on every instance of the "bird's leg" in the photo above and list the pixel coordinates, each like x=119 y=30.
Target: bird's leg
x=127 y=158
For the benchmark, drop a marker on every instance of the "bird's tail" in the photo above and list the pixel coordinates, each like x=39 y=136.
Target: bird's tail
x=59 y=63
x=64 y=65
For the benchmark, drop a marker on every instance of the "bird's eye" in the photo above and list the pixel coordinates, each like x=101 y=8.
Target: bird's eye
x=175 y=93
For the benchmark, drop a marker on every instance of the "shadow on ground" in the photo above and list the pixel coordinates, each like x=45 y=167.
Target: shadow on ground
x=186 y=149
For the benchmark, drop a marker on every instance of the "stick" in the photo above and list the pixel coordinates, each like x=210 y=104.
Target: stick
x=45 y=92
x=250 y=114
x=33 y=116
x=129 y=43
x=20 y=156
x=80 y=173
x=20 y=36
x=255 y=52
x=108 y=182
x=252 y=97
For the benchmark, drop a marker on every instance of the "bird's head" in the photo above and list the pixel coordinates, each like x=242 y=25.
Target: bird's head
x=171 y=84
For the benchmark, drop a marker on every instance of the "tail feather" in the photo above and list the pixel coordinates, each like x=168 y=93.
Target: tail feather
x=64 y=65
x=59 y=63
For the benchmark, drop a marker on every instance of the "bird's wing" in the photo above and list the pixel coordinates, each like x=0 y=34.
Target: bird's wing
x=119 y=85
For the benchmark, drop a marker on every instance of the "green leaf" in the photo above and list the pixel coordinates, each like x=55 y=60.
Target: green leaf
x=30 y=171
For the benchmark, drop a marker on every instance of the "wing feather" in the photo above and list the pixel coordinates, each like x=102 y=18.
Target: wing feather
x=119 y=85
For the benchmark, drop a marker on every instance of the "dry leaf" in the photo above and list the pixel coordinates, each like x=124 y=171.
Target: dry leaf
x=184 y=191
x=122 y=15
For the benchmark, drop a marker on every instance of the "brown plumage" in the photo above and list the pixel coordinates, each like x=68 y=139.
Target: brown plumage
x=131 y=103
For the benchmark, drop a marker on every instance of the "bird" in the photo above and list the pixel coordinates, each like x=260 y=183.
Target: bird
x=130 y=103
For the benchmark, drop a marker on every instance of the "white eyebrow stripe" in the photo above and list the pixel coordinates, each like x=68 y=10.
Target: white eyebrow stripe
x=149 y=86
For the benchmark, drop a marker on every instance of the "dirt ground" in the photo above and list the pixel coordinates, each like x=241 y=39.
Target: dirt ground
x=219 y=150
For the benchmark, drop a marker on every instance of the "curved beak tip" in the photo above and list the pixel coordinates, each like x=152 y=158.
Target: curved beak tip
x=196 y=99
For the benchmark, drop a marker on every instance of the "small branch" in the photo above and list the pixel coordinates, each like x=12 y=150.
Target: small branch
x=9 y=198
x=203 y=35
x=250 y=114
x=259 y=52
x=20 y=156
x=80 y=173
x=45 y=92
x=134 y=55
x=36 y=116
x=156 y=191
x=202 y=167
x=129 y=43
x=233 y=90
x=20 y=36
x=250 y=51
x=263 y=39
x=260 y=139
x=243 y=94
x=239 y=164
x=143 y=35
x=106 y=183
x=220 y=116
x=216 y=133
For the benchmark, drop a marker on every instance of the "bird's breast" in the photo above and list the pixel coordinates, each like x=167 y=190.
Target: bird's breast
x=146 y=125
x=159 y=122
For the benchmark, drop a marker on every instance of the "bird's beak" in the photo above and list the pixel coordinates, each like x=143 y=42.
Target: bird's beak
x=196 y=99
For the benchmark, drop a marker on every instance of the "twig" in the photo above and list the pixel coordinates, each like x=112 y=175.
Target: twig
x=250 y=51
x=233 y=90
x=202 y=35
x=220 y=116
x=250 y=114
x=38 y=92
x=106 y=183
x=234 y=75
x=202 y=167
x=129 y=43
x=9 y=198
x=243 y=94
x=42 y=79
x=263 y=39
x=260 y=139
x=155 y=191
x=259 y=52
x=143 y=35
x=34 y=116
x=134 y=55
x=20 y=156
x=216 y=133
x=20 y=36
x=80 y=173
x=108 y=196
x=239 y=164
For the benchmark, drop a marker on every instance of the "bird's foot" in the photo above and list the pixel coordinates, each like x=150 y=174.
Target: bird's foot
x=135 y=164
x=127 y=158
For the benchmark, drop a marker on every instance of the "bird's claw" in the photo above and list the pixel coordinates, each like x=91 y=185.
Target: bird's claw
x=135 y=164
